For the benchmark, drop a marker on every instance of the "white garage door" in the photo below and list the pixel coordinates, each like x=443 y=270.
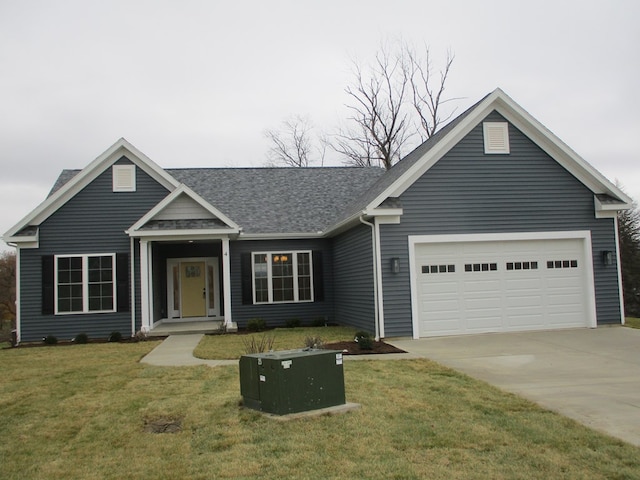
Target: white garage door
x=501 y=286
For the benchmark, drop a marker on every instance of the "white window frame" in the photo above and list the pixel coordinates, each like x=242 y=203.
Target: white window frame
x=492 y=131
x=85 y=283
x=296 y=289
x=120 y=170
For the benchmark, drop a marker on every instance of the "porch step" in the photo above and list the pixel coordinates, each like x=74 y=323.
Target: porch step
x=184 y=328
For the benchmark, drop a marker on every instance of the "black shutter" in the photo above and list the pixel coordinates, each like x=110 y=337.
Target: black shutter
x=47 y=285
x=318 y=277
x=122 y=282
x=246 y=282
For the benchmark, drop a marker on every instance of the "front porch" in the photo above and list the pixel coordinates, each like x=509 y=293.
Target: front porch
x=165 y=328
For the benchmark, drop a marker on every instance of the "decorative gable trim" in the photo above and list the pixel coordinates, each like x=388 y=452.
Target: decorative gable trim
x=503 y=104
x=229 y=227
x=119 y=149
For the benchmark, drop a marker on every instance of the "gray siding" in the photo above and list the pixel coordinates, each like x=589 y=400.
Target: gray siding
x=353 y=279
x=277 y=314
x=93 y=221
x=468 y=192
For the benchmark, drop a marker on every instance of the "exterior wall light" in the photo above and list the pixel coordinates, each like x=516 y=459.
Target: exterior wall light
x=395 y=265
x=607 y=257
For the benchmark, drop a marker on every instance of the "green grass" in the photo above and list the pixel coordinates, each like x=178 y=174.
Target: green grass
x=79 y=412
x=220 y=347
x=632 y=322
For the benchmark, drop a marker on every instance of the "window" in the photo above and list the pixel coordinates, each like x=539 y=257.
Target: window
x=562 y=264
x=522 y=266
x=480 y=267
x=124 y=178
x=85 y=283
x=280 y=277
x=438 y=269
x=496 y=137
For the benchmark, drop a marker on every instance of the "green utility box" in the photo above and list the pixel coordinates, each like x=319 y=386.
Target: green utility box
x=292 y=381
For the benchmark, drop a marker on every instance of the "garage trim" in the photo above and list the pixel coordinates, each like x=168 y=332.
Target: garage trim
x=584 y=235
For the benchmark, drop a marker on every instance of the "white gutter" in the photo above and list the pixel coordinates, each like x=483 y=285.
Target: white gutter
x=619 y=267
x=374 y=246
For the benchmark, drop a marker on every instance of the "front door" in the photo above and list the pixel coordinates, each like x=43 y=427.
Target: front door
x=193 y=289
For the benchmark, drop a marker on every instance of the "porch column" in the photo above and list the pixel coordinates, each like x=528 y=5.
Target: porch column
x=145 y=303
x=226 y=285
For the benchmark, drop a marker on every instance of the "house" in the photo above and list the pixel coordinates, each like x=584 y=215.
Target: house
x=492 y=225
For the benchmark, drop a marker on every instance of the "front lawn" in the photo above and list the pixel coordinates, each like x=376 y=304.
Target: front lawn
x=80 y=412
x=632 y=322
x=221 y=347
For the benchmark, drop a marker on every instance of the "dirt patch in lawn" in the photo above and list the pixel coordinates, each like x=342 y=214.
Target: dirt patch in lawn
x=352 y=348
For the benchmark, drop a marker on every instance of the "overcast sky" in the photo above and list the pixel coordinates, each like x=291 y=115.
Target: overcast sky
x=196 y=83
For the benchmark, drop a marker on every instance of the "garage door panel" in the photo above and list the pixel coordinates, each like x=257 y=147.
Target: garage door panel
x=501 y=286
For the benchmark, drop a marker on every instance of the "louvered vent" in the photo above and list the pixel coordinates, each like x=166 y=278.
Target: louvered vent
x=124 y=178
x=496 y=137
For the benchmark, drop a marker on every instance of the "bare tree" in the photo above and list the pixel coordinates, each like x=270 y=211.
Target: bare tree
x=390 y=102
x=7 y=287
x=292 y=145
x=427 y=98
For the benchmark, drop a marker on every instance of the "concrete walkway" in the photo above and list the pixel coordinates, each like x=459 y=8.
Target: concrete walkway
x=177 y=351
x=589 y=375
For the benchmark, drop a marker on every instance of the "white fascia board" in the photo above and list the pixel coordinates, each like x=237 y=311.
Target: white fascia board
x=182 y=235
x=90 y=173
x=24 y=241
x=166 y=201
x=279 y=236
x=609 y=210
x=521 y=119
x=385 y=212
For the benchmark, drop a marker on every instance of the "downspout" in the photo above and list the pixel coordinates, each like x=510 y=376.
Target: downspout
x=374 y=248
x=619 y=268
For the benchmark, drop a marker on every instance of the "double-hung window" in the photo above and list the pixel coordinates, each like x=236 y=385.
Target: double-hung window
x=85 y=283
x=280 y=277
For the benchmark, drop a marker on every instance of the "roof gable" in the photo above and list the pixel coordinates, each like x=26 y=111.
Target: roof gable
x=76 y=181
x=183 y=210
x=402 y=175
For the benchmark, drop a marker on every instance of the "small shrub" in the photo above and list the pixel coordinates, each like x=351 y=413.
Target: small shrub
x=50 y=340
x=140 y=336
x=81 y=339
x=364 y=340
x=254 y=344
x=256 y=325
x=293 y=323
x=312 y=341
x=318 y=322
x=115 y=337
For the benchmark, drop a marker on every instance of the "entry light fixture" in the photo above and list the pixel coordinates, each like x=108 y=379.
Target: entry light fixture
x=607 y=257
x=395 y=265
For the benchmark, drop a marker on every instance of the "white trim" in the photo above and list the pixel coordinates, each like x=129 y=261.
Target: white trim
x=380 y=290
x=587 y=261
x=619 y=268
x=279 y=236
x=165 y=202
x=226 y=282
x=376 y=286
x=18 y=297
x=168 y=235
x=145 y=299
x=120 y=148
x=294 y=266
x=119 y=172
x=25 y=241
x=85 y=283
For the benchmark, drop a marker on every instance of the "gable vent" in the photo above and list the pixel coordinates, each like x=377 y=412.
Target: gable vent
x=496 y=137
x=124 y=178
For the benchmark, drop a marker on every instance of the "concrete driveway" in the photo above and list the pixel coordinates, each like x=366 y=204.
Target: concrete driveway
x=590 y=375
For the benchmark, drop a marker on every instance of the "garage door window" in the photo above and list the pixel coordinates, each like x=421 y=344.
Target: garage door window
x=562 y=264
x=480 y=267
x=438 y=269
x=522 y=265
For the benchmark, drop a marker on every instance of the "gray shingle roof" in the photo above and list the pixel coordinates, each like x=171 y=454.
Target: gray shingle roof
x=280 y=200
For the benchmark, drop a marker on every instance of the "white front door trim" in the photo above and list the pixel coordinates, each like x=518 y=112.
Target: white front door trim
x=584 y=235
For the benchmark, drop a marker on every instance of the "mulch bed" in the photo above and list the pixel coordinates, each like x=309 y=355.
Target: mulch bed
x=352 y=348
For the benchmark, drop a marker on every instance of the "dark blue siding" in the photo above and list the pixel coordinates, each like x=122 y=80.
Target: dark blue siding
x=353 y=278
x=277 y=314
x=468 y=192
x=93 y=221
